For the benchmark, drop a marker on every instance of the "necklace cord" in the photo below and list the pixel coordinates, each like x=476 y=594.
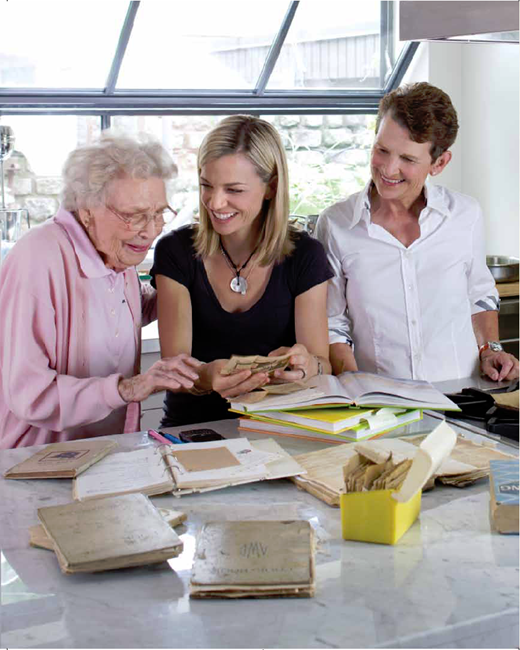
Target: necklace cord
x=234 y=266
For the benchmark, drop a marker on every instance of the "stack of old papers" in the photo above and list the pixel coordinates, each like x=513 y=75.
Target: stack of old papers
x=187 y=468
x=324 y=479
x=200 y=467
x=238 y=559
x=109 y=533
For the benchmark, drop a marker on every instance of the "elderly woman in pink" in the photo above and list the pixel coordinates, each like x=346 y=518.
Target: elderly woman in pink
x=72 y=305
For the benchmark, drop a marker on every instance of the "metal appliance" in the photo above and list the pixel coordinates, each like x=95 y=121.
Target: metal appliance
x=10 y=220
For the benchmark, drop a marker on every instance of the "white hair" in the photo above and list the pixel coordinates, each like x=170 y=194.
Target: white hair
x=89 y=169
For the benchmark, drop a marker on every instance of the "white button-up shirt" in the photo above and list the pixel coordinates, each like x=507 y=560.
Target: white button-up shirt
x=408 y=311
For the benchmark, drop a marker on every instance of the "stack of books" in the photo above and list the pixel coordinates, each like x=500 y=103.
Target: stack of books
x=334 y=425
x=351 y=407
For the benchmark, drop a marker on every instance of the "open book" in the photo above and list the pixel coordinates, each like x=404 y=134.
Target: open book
x=62 y=459
x=187 y=468
x=238 y=559
x=356 y=388
x=109 y=534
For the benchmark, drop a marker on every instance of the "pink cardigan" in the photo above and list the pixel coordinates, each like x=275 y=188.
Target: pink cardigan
x=44 y=390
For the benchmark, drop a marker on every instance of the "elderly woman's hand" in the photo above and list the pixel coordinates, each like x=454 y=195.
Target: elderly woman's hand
x=230 y=385
x=499 y=366
x=170 y=373
x=302 y=364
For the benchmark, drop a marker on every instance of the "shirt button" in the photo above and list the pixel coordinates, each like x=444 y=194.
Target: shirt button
x=117 y=333
x=113 y=312
x=414 y=323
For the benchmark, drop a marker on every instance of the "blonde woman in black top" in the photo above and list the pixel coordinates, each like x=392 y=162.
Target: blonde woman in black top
x=241 y=281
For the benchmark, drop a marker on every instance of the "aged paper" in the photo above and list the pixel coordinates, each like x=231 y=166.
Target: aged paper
x=62 y=459
x=254 y=558
x=39 y=538
x=142 y=470
x=109 y=533
x=255 y=363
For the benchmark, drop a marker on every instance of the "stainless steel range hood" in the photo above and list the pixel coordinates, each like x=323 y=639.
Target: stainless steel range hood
x=474 y=22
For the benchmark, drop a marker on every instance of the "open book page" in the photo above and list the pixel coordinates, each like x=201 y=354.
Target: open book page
x=109 y=533
x=365 y=388
x=221 y=462
x=142 y=470
x=283 y=464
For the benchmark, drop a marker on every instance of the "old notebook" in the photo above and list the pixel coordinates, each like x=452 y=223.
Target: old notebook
x=109 y=533
x=62 y=459
x=39 y=538
x=238 y=559
x=187 y=468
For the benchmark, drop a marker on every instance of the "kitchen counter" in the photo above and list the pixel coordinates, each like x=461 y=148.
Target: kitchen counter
x=449 y=582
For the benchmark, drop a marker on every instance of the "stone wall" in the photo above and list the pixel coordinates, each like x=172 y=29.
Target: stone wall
x=328 y=159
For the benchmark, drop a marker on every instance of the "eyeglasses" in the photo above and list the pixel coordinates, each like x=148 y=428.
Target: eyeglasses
x=140 y=220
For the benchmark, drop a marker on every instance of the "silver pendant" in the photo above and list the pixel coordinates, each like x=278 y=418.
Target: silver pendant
x=239 y=285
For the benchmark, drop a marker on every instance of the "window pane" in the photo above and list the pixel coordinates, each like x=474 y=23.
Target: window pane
x=187 y=45
x=331 y=44
x=33 y=171
x=58 y=44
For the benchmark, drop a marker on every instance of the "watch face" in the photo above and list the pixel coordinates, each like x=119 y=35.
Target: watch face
x=495 y=346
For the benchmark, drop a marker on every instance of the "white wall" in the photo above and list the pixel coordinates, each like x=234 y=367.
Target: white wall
x=483 y=83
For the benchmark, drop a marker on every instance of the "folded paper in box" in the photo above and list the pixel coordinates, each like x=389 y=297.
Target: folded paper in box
x=383 y=516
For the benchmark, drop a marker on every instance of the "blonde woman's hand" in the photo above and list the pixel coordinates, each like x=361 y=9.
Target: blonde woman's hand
x=171 y=373
x=302 y=364
x=230 y=385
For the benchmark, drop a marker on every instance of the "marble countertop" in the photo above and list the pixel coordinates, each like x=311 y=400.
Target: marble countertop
x=449 y=582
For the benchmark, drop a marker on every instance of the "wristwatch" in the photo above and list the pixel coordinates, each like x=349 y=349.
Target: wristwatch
x=495 y=346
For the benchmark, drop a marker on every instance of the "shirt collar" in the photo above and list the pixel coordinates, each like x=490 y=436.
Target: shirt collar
x=436 y=198
x=89 y=259
x=434 y=194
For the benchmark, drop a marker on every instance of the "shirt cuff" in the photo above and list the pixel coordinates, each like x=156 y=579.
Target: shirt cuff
x=111 y=393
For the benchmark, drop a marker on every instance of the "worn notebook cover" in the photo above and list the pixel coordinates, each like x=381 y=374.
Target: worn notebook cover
x=62 y=459
x=236 y=559
x=503 y=486
x=109 y=533
x=39 y=538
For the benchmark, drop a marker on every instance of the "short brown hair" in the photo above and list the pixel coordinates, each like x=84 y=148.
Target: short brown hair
x=426 y=112
x=261 y=144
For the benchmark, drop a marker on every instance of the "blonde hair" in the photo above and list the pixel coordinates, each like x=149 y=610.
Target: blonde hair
x=261 y=144
x=88 y=170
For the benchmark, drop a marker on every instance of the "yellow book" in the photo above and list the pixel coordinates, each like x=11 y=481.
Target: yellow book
x=331 y=420
x=363 y=429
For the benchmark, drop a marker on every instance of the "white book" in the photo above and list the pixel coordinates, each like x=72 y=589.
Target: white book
x=357 y=388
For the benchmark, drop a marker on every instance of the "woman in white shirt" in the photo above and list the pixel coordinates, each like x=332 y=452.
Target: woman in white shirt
x=412 y=296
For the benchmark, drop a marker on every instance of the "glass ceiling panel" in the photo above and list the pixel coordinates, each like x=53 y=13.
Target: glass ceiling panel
x=332 y=44
x=58 y=44
x=199 y=45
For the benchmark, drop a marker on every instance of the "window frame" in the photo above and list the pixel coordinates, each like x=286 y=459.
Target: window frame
x=110 y=101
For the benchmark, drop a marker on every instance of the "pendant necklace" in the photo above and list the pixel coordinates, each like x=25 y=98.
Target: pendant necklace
x=238 y=284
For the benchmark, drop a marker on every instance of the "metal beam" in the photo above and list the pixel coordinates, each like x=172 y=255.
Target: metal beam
x=122 y=44
x=401 y=66
x=386 y=39
x=276 y=47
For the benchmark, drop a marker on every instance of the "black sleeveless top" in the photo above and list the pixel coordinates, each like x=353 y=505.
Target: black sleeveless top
x=218 y=334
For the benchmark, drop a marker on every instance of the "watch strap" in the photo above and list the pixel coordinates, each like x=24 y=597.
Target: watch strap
x=495 y=346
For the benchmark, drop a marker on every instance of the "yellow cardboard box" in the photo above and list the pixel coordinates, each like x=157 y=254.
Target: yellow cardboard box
x=383 y=516
x=376 y=516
